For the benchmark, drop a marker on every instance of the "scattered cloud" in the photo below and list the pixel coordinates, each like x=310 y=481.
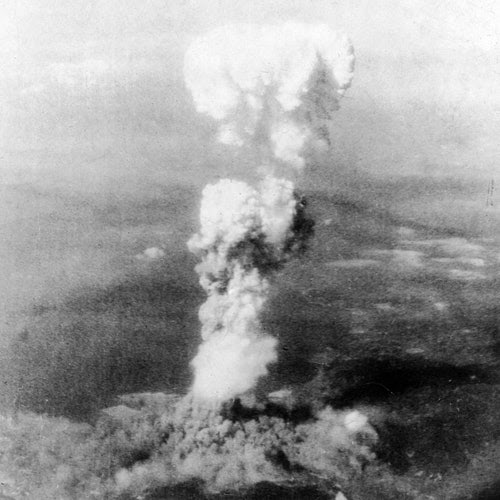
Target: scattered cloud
x=406 y=259
x=461 y=274
x=152 y=253
x=72 y=76
x=441 y=306
x=451 y=246
x=89 y=72
x=405 y=232
x=352 y=263
x=384 y=307
x=467 y=261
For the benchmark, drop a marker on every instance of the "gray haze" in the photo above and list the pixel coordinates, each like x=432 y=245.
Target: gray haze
x=103 y=156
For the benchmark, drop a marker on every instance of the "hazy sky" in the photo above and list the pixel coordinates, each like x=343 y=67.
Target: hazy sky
x=78 y=77
x=94 y=114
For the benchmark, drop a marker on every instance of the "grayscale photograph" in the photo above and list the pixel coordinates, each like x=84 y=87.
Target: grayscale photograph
x=249 y=249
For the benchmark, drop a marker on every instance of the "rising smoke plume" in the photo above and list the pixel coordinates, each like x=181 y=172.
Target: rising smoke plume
x=272 y=90
x=245 y=235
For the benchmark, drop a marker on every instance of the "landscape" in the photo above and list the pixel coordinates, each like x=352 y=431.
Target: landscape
x=386 y=322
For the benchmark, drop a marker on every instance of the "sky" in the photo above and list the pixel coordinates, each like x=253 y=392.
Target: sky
x=79 y=75
x=97 y=127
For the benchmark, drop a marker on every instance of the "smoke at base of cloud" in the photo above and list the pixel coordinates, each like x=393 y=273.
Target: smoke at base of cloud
x=136 y=452
x=234 y=454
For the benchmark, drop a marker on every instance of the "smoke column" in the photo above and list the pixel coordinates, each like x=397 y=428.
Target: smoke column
x=273 y=90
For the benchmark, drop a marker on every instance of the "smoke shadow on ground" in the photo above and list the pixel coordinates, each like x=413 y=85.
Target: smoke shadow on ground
x=139 y=334
x=374 y=380
x=404 y=445
x=298 y=343
x=436 y=205
x=437 y=414
x=438 y=430
x=301 y=334
x=235 y=411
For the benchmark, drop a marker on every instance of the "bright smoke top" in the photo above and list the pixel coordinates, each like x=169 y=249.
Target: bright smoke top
x=273 y=90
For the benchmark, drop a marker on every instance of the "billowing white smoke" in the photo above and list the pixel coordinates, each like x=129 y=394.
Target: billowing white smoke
x=244 y=234
x=272 y=88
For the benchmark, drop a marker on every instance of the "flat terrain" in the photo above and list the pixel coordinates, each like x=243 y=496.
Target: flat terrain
x=393 y=310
